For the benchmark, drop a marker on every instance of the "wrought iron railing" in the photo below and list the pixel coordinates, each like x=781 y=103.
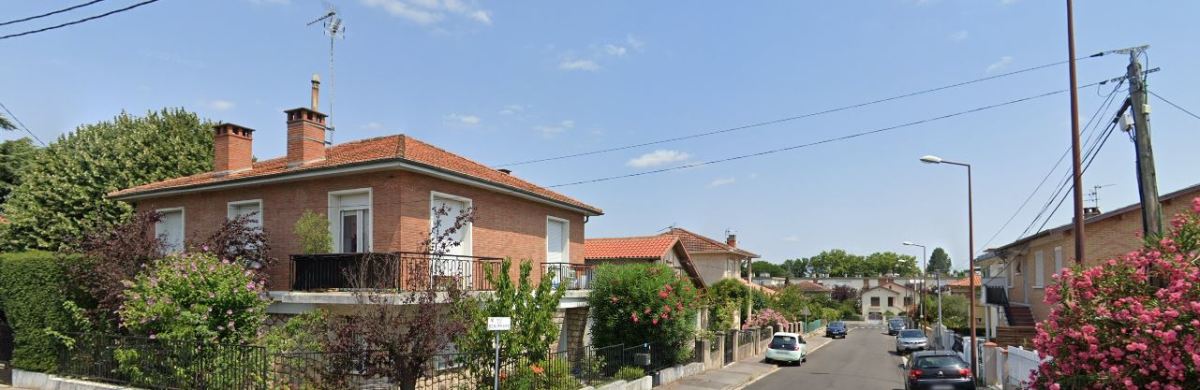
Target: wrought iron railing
x=395 y=270
x=157 y=364
x=571 y=276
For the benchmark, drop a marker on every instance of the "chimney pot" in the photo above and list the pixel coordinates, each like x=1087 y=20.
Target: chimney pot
x=305 y=136
x=316 y=92
x=232 y=147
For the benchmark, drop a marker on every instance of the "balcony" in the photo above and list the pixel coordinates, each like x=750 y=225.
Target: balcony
x=405 y=271
x=571 y=276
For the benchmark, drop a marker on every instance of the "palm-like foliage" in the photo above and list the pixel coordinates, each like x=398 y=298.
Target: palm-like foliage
x=6 y=124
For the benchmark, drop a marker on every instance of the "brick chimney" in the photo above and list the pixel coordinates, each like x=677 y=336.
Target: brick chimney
x=306 y=132
x=232 y=148
x=731 y=239
x=1089 y=212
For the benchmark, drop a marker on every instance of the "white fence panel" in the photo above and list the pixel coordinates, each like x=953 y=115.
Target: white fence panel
x=1021 y=363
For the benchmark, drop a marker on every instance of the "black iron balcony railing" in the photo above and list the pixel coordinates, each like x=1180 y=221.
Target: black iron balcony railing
x=394 y=270
x=571 y=276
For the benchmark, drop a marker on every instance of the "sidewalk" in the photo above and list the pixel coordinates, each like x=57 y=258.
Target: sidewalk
x=740 y=373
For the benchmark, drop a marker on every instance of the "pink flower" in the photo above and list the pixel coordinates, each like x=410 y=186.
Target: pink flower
x=633 y=317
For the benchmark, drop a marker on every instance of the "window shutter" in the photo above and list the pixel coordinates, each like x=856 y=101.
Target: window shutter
x=1039 y=271
x=1058 y=260
x=555 y=241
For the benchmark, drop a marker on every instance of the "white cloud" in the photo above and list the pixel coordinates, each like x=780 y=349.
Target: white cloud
x=1001 y=64
x=792 y=238
x=469 y=120
x=512 y=109
x=614 y=50
x=722 y=182
x=219 y=105
x=373 y=126
x=552 y=130
x=657 y=157
x=577 y=64
x=960 y=35
x=753 y=175
x=635 y=43
x=428 y=12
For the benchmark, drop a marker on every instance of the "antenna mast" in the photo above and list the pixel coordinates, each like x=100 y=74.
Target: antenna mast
x=332 y=25
x=1094 y=195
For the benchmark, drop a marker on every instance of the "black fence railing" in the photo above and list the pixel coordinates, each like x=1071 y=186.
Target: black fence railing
x=157 y=364
x=745 y=337
x=394 y=270
x=997 y=296
x=571 y=276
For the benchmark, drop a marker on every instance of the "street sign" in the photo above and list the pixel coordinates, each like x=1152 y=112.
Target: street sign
x=499 y=323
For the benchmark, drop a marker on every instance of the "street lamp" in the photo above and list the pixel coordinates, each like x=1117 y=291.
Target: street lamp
x=924 y=257
x=970 y=254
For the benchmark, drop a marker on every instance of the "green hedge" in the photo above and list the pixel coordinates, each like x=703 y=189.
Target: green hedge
x=33 y=287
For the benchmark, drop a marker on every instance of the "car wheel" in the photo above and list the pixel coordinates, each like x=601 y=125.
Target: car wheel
x=767 y=360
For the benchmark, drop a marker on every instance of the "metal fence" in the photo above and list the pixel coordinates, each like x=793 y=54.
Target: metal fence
x=150 y=363
x=812 y=325
x=393 y=270
x=157 y=364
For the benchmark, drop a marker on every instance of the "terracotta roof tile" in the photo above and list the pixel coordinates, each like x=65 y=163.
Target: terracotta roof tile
x=698 y=243
x=809 y=286
x=964 y=282
x=652 y=247
x=393 y=147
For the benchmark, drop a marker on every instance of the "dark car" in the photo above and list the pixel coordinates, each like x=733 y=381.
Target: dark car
x=895 y=325
x=835 y=330
x=938 y=370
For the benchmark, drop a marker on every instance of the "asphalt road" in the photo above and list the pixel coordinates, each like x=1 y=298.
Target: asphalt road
x=865 y=359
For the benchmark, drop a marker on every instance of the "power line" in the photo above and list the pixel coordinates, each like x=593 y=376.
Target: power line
x=824 y=141
x=1107 y=133
x=1103 y=107
x=791 y=118
x=49 y=13
x=21 y=124
x=119 y=10
x=1174 y=105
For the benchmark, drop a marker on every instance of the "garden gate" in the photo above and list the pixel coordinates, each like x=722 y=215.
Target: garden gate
x=730 y=346
x=6 y=349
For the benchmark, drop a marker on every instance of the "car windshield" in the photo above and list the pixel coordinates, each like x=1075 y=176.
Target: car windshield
x=911 y=333
x=837 y=325
x=940 y=362
x=783 y=342
x=896 y=322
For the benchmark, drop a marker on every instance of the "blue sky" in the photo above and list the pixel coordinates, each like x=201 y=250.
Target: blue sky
x=509 y=81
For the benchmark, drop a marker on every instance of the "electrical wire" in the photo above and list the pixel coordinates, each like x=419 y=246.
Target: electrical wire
x=791 y=118
x=1103 y=107
x=21 y=124
x=26 y=19
x=74 y=22
x=1180 y=108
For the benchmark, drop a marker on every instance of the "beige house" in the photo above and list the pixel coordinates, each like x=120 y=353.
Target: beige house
x=1018 y=272
x=877 y=301
x=714 y=260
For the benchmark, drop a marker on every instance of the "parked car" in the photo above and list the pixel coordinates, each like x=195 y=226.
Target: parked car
x=938 y=370
x=896 y=324
x=911 y=340
x=787 y=348
x=836 y=329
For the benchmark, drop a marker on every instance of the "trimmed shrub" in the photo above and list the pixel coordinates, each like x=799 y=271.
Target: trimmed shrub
x=33 y=288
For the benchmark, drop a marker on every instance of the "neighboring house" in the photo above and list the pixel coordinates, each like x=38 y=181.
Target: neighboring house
x=648 y=249
x=378 y=194
x=883 y=298
x=766 y=280
x=813 y=288
x=962 y=288
x=1018 y=272
x=714 y=260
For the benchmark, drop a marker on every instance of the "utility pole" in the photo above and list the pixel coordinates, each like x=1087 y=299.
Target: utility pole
x=1147 y=179
x=1076 y=153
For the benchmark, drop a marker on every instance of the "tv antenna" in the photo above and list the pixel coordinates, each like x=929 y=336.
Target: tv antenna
x=331 y=23
x=1094 y=194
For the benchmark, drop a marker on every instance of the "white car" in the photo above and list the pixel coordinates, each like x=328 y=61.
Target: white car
x=787 y=348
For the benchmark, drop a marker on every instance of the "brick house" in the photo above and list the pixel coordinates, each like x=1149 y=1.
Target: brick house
x=1018 y=272
x=378 y=195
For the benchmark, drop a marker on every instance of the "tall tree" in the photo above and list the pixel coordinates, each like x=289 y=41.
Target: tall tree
x=63 y=190
x=939 y=262
x=14 y=156
x=796 y=267
x=775 y=270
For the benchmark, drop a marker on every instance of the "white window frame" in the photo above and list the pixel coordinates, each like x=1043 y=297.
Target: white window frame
x=469 y=238
x=230 y=214
x=1039 y=269
x=1058 y=259
x=335 y=217
x=182 y=225
x=566 y=239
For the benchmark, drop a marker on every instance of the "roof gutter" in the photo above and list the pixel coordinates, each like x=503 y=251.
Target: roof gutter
x=380 y=165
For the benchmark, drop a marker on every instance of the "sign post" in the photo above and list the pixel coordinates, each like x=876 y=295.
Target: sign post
x=498 y=324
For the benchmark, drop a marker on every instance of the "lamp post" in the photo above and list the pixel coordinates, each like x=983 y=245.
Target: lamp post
x=970 y=255
x=924 y=257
